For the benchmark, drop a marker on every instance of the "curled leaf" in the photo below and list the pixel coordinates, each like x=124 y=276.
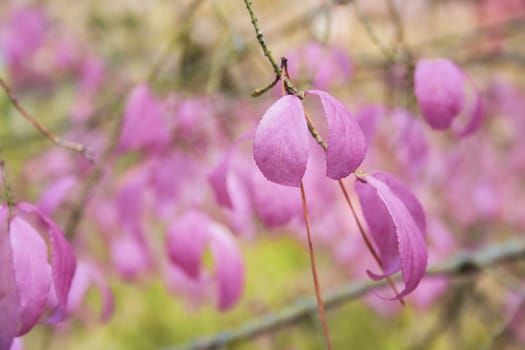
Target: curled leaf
x=396 y=221
x=346 y=143
x=63 y=261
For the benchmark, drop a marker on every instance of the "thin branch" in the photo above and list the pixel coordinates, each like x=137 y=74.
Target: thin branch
x=463 y=264
x=260 y=38
x=313 y=131
x=73 y=146
x=461 y=39
x=277 y=70
x=260 y=91
x=363 y=62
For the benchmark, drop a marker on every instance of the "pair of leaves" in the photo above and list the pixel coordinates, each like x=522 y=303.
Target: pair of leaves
x=280 y=146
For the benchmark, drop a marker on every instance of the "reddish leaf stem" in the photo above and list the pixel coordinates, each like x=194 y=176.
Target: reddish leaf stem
x=318 y=296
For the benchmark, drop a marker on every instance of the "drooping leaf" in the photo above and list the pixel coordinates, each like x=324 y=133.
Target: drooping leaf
x=399 y=223
x=280 y=146
x=346 y=143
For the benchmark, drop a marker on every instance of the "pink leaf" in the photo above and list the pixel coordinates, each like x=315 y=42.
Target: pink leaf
x=346 y=142
x=439 y=87
x=280 y=146
x=79 y=287
x=63 y=261
x=275 y=205
x=129 y=255
x=186 y=242
x=368 y=119
x=55 y=194
x=17 y=344
x=144 y=125
x=87 y=273
x=412 y=248
x=409 y=200
x=218 y=179
x=24 y=34
x=130 y=198
x=229 y=266
x=32 y=271
x=380 y=227
x=10 y=308
x=476 y=113
x=396 y=221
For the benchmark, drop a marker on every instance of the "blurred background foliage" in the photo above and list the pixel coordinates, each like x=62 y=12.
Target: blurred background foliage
x=207 y=47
